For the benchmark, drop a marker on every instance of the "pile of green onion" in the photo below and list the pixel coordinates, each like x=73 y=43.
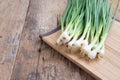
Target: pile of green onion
x=85 y=25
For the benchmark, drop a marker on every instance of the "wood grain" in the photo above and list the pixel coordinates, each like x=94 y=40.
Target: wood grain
x=12 y=17
x=107 y=68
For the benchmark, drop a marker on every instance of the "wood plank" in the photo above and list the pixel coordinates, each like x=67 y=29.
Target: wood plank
x=25 y=67
x=12 y=17
x=107 y=68
x=53 y=66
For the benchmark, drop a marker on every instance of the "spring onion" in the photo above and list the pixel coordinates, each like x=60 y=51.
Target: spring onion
x=85 y=25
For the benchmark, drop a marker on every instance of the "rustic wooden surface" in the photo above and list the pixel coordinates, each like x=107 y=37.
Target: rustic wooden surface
x=12 y=18
x=23 y=56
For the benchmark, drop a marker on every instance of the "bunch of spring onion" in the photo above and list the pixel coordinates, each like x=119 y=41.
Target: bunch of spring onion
x=85 y=25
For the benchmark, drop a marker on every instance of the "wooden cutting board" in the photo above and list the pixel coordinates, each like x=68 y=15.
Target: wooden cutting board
x=106 y=68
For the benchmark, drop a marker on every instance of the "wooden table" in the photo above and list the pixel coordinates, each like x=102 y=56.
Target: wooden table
x=23 y=56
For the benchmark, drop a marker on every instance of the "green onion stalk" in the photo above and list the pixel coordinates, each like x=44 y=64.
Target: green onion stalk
x=107 y=24
x=73 y=18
